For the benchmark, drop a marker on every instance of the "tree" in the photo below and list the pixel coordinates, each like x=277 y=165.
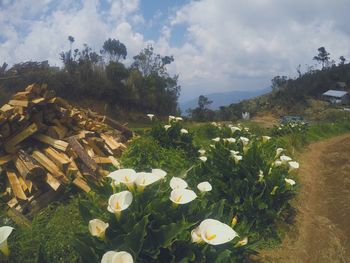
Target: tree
x=114 y=49
x=148 y=63
x=322 y=57
x=278 y=82
x=204 y=102
x=71 y=40
x=342 y=60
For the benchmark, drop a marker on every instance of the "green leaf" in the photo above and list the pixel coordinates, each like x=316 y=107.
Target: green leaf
x=84 y=212
x=135 y=239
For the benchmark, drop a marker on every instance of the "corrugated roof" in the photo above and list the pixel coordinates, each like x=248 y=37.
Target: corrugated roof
x=335 y=93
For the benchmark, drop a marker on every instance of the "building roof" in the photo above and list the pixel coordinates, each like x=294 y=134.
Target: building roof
x=335 y=93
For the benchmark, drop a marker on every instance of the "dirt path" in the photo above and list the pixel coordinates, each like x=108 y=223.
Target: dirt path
x=322 y=229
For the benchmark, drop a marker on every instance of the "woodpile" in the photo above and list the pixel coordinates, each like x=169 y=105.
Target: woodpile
x=45 y=144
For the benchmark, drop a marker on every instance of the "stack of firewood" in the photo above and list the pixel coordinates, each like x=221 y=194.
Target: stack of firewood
x=45 y=144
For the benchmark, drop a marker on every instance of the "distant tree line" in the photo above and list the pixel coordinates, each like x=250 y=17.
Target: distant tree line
x=287 y=93
x=144 y=86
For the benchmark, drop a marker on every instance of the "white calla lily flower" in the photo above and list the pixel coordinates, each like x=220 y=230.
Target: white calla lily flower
x=178 y=183
x=293 y=165
x=285 y=158
x=290 y=181
x=201 y=152
x=150 y=116
x=203 y=158
x=204 y=187
x=237 y=158
x=229 y=140
x=171 y=118
x=144 y=179
x=265 y=139
x=119 y=202
x=178 y=118
x=234 y=152
x=242 y=242
x=159 y=172
x=184 y=131
x=98 y=228
x=277 y=163
x=182 y=196
x=234 y=129
x=244 y=140
x=124 y=176
x=217 y=139
x=5 y=232
x=166 y=127
x=278 y=152
x=117 y=257
x=212 y=146
x=213 y=232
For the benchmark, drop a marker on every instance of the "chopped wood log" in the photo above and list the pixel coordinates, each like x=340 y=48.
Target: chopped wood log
x=52 y=182
x=79 y=182
x=23 y=95
x=49 y=165
x=116 y=125
x=94 y=146
x=30 y=165
x=102 y=160
x=5 y=159
x=22 y=103
x=13 y=141
x=85 y=158
x=111 y=143
x=34 y=88
x=38 y=101
x=60 y=159
x=114 y=162
x=16 y=185
x=58 y=144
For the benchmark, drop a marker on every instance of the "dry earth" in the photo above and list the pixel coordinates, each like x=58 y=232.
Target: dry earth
x=322 y=227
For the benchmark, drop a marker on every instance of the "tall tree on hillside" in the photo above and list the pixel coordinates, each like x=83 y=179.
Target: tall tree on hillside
x=342 y=60
x=322 y=57
x=148 y=63
x=278 y=82
x=114 y=49
x=71 y=41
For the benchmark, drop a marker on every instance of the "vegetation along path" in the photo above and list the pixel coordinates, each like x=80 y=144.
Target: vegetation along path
x=322 y=226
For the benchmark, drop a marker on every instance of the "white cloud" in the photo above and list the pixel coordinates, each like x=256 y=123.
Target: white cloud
x=227 y=44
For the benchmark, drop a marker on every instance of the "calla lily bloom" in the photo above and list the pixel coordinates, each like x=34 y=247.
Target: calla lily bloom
x=182 y=196
x=293 y=165
x=204 y=187
x=166 y=127
x=290 y=181
x=203 y=159
x=184 y=131
x=119 y=202
x=244 y=140
x=178 y=183
x=265 y=138
x=201 y=152
x=234 y=152
x=212 y=146
x=5 y=232
x=171 y=118
x=234 y=129
x=213 y=232
x=150 y=116
x=278 y=152
x=124 y=176
x=242 y=242
x=277 y=163
x=237 y=158
x=98 y=228
x=159 y=172
x=117 y=257
x=217 y=139
x=285 y=158
x=178 y=118
x=234 y=221
x=230 y=140
x=144 y=179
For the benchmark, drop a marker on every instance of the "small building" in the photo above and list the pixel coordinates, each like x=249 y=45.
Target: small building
x=336 y=96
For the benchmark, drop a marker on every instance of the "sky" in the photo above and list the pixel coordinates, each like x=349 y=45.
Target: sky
x=218 y=45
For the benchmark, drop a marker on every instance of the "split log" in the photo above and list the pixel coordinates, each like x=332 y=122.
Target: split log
x=58 y=144
x=85 y=158
x=13 y=141
x=16 y=185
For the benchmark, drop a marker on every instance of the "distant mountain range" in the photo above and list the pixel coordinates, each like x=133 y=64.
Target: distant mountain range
x=223 y=98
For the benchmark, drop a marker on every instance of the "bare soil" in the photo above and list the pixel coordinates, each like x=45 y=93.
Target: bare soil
x=321 y=232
